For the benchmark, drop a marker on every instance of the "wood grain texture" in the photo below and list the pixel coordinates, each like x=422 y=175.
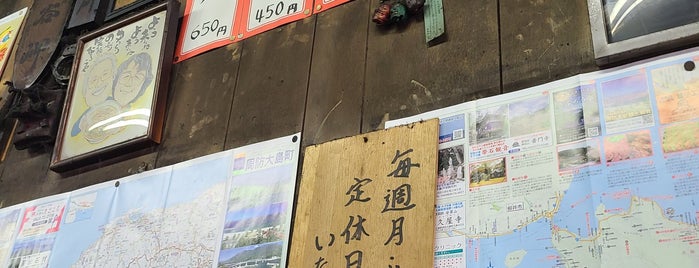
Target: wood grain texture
x=200 y=101
x=543 y=41
x=23 y=176
x=270 y=95
x=336 y=85
x=56 y=183
x=324 y=207
x=26 y=175
x=405 y=77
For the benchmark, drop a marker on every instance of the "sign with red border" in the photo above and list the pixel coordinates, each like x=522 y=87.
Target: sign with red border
x=258 y=16
x=207 y=24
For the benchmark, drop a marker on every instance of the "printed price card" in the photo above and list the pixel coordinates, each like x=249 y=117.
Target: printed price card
x=263 y=15
x=323 y=5
x=207 y=24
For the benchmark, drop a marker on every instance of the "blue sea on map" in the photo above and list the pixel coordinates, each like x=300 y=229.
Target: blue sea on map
x=535 y=239
x=577 y=205
x=156 y=191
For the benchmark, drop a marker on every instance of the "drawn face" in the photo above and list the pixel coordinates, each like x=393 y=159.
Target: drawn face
x=129 y=84
x=99 y=82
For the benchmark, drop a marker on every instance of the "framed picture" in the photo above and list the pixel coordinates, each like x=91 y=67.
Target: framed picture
x=115 y=101
x=87 y=13
x=117 y=8
x=625 y=30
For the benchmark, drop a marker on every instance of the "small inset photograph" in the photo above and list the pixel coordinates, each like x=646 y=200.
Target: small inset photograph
x=487 y=173
x=626 y=103
x=451 y=164
x=578 y=155
x=529 y=116
x=488 y=124
x=680 y=137
x=627 y=146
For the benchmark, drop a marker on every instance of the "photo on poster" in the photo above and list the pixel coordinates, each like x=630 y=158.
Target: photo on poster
x=577 y=155
x=628 y=146
x=576 y=113
x=680 y=137
x=488 y=124
x=529 y=116
x=451 y=128
x=676 y=93
x=32 y=252
x=8 y=226
x=626 y=103
x=451 y=164
x=488 y=172
x=451 y=179
x=255 y=226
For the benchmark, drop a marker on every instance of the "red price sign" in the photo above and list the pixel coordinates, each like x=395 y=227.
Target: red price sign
x=263 y=15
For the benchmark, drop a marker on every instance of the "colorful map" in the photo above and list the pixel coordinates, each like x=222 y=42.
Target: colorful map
x=598 y=170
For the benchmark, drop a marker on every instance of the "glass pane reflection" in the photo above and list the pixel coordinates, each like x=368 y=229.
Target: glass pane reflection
x=627 y=19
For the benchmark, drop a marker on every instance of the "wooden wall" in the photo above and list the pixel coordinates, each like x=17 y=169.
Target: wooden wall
x=333 y=75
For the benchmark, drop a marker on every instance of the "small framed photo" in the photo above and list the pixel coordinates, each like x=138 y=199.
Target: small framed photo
x=87 y=13
x=117 y=8
x=626 y=30
x=115 y=102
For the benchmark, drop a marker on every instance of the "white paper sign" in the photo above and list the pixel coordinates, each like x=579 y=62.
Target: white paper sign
x=208 y=24
x=266 y=11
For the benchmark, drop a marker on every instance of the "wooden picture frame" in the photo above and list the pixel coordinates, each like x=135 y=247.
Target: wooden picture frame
x=116 y=8
x=115 y=101
x=87 y=13
x=660 y=39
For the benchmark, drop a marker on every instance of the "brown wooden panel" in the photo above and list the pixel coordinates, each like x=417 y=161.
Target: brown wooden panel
x=543 y=41
x=336 y=83
x=272 y=84
x=405 y=77
x=23 y=176
x=41 y=35
x=200 y=102
x=56 y=183
x=395 y=232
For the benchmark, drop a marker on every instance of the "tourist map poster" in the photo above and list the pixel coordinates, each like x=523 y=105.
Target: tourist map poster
x=222 y=210
x=596 y=170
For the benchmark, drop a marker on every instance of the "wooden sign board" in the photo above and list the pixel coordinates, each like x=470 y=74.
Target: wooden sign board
x=368 y=201
x=40 y=36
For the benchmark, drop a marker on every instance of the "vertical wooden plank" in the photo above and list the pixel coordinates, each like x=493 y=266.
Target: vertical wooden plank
x=543 y=41
x=373 y=193
x=272 y=84
x=200 y=102
x=23 y=176
x=56 y=183
x=21 y=171
x=336 y=83
x=405 y=77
